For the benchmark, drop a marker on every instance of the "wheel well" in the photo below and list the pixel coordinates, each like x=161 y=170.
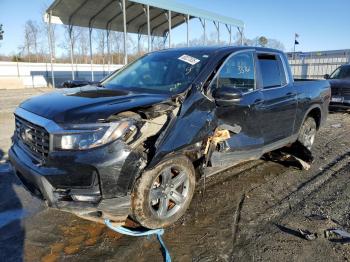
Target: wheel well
x=316 y=114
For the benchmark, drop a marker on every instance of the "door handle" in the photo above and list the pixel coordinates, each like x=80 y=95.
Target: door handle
x=290 y=94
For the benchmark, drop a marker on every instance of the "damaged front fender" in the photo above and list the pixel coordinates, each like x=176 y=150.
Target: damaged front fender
x=194 y=123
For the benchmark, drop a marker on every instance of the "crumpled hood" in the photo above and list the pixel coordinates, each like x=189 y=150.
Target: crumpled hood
x=88 y=104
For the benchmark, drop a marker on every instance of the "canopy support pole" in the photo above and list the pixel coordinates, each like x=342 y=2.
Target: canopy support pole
x=169 y=21
x=91 y=59
x=217 y=26
x=229 y=29
x=148 y=30
x=108 y=51
x=139 y=43
x=51 y=50
x=164 y=39
x=125 y=32
x=70 y=32
x=204 y=30
x=240 y=30
x=187 y=26
x=152 y=42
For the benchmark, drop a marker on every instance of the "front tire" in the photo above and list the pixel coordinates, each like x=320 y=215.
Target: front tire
x=162 y=195
x=308 y=132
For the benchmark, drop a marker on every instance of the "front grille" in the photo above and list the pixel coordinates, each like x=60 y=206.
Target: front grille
x=34 y=137
x=340 y=91
x=336 y=91
x=346 y=91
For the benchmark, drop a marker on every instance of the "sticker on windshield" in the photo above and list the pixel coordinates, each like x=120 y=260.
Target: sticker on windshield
x=189 y=59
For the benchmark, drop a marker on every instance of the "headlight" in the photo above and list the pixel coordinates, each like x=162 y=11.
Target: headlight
x=86 y=136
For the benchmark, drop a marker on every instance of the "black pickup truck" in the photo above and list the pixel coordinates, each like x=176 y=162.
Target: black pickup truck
x=340 y=87
x=137 y=143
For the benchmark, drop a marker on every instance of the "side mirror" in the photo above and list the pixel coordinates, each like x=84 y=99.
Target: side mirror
x=226 y=96
x=326 y=76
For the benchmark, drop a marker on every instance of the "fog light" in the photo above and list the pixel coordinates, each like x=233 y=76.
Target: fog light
x=86 y=198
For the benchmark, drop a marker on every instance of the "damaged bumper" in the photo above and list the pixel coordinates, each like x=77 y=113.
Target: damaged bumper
x=93 y=184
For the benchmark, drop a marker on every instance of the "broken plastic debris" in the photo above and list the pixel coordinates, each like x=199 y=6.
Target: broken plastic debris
x=304 y=165
x=307 y=234
x=219 y=136
x=338 y=232
x=336 y=125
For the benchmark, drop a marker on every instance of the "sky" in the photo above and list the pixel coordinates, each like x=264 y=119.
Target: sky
x=321 y=24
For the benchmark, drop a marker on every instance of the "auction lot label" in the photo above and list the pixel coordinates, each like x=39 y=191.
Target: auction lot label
x=189 y=59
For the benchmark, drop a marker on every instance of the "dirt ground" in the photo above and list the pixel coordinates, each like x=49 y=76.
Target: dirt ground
x=248 y=213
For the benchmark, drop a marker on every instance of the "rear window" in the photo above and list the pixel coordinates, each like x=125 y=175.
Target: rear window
x=271 y=70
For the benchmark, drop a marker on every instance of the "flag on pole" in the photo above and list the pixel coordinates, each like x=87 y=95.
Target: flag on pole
x=296 y=42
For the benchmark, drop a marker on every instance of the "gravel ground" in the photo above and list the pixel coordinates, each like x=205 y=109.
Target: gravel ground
x=248 y=213
x=9 y=99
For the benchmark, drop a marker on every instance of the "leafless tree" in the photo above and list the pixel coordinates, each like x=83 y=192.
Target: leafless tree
x=271 y=43
x=31 y=38
x=274 y=43
x=83 y=45
x=44 y=26
x=70 y=40
x=116 y=45
x=158 y=43
x=100 y=40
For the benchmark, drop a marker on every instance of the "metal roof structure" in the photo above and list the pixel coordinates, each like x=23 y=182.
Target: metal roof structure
x=143 y=17
x=108 y=15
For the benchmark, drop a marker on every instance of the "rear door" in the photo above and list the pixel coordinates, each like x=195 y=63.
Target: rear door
x=279 y=98
x=238 y=72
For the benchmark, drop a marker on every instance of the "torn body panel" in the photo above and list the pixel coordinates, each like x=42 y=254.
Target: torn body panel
x=194 y=122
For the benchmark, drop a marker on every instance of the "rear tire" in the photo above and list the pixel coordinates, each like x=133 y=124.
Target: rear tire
x=308 y=132
x=162 y=195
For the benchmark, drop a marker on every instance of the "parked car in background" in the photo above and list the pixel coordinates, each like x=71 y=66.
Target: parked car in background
x=340 y=87
x=132 y=145
x=79 y=83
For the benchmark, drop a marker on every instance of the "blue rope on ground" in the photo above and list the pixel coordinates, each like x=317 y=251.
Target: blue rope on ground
x=135 y=233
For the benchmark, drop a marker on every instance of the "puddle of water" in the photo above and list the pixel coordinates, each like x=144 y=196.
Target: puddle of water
x=7 y=217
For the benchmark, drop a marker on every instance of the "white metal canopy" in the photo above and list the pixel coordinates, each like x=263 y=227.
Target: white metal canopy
x=108 y=14
x=143 y=17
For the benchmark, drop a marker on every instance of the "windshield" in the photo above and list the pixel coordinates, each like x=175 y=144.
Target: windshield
x=341 y=72
x=166 y=72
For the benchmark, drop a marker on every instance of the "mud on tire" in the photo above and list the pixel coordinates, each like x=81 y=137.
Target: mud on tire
x=162 y=181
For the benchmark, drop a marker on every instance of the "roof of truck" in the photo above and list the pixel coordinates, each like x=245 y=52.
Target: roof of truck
x=220 y=48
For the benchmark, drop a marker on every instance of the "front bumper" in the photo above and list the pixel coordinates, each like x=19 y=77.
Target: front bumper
x=104 y=176
x=344 y=103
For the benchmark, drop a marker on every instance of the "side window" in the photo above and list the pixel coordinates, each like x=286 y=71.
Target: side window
x=272 y=70
x=237 y=72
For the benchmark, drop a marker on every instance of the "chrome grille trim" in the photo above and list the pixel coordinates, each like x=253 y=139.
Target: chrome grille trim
x=41 y=130
x=34 y=137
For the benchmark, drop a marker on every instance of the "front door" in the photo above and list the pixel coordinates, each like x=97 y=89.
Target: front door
x=238 y=72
